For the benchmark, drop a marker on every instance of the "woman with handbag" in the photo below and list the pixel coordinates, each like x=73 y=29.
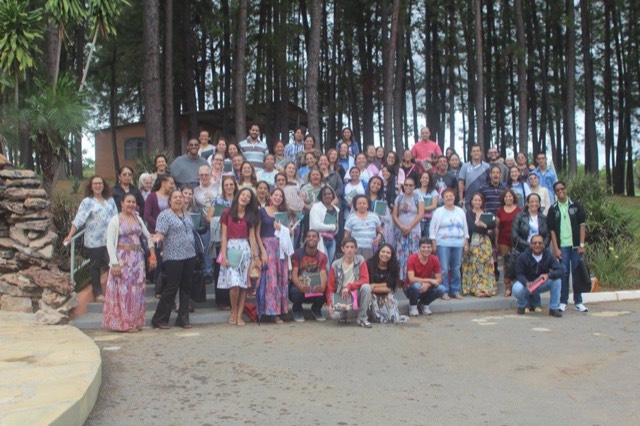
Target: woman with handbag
x=175 y=230
x=277 y=274
x=239 y=250
x=504 y=221
x=223 y=201
x=125 y=305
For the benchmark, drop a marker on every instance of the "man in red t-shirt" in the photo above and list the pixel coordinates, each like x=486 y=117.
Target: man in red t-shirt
x=423 y=284
x=426 y=152
x=308 y=259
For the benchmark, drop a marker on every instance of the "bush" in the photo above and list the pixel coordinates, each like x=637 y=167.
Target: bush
x=611 y=232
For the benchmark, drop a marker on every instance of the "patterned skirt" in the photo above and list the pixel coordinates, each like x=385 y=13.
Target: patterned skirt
x=276 y=300
x=124 y=301
x=478 y=275
x=236 y=276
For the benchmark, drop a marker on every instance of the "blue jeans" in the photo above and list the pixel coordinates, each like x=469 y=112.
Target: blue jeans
x=521 y=293
x=570 y=258
x=412 y=291
x=208 y=264
x=330 y=247
x=450 y=262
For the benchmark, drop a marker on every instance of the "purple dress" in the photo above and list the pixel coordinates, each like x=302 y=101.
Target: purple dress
x=277 y=275
x=124 y=301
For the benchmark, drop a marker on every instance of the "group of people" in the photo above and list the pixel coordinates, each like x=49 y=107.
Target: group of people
x=343 y=228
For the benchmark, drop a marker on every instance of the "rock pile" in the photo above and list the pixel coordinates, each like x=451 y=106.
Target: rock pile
x=29 y=278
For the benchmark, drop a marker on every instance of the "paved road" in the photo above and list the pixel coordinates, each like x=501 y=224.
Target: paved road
x=453 y=369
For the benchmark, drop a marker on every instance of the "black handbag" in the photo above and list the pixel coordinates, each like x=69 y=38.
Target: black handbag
x=512 y=261
x=198 y=288
x=582 y=277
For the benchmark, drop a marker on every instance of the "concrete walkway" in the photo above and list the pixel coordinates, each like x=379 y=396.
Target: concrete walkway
x=49 y=375
x=52 y=374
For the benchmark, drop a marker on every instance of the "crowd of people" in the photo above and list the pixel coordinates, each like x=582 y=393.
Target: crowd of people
x=345 y=228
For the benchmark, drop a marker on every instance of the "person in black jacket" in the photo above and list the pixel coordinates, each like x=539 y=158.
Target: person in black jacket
x=537 y=263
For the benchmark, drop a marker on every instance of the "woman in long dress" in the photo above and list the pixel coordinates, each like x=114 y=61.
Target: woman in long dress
x=277 y=275
x=408 y=211
x=478 y=275
x=124 y=304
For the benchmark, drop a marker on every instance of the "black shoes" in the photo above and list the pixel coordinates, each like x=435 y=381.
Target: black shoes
x=555 y=313
x=521 y=311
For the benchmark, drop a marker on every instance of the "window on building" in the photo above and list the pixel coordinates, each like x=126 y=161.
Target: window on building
x=133 y=148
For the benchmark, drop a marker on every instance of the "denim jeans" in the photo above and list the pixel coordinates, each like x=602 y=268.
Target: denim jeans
x=570 y=258
x=450 y=262
x=297 y=298
x=412 y=291
x=208 y=264
x=330 y=247
x=521 y=293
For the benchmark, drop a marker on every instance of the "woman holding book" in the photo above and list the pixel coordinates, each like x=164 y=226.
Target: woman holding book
x=311 y=190
x=430 y=197
x=270 y=230
x=352 y=188
x=478 y=275
x=238 y=249
x=384 y=276
x=504 y=221
x=379 y=206
x=222 y=202
x=408 y=211
x=364 y=226
x=323 y=218
x=175 y=230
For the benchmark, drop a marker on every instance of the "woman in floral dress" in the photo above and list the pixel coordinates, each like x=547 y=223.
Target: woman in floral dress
x=408 y=211
x=478 y=275
x=124 y=305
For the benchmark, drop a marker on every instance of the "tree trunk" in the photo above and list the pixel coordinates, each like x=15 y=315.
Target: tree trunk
x=113 y=109
x=389 y=69
x=398 y=89
x=313 y=69
x=169 y=111
x=590 y=142
x=151 y=75
x=479 y=92
x=570 y=100
x=189 y=71
x=226 y=74
x=522 y=78
x=240 y=84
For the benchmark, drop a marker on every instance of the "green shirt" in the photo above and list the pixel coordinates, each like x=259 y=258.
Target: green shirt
x=566 y=236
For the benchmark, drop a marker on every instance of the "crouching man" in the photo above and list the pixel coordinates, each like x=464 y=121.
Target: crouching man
x=538 y=271
x=424 y=280
x=349 y=277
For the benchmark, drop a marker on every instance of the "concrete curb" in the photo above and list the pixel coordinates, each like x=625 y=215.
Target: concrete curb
x=48 y=374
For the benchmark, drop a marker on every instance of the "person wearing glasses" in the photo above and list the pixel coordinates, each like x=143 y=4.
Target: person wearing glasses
x=566 y=222
x=536 y=264
x=125 y=186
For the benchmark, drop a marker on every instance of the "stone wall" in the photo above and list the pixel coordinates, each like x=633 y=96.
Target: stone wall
x=29 y=278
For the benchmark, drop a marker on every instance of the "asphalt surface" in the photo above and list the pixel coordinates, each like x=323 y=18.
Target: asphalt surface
x=448 y=369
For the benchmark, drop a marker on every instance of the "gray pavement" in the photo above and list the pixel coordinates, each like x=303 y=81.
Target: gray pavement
x=490 y=367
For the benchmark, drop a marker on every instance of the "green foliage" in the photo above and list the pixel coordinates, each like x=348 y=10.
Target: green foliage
x=65 y=12
x=104 y=14
x=611 y=233
x=75 y=186
x=20 y=32
x=55 y=112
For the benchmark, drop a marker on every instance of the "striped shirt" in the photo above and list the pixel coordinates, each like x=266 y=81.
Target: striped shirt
x=254 y=153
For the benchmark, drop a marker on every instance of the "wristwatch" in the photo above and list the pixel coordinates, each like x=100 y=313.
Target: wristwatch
x=581 y=245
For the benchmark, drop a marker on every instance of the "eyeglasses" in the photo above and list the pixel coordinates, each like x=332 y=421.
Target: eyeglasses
x=537 y=243
x=126 y=174
x=203 y=174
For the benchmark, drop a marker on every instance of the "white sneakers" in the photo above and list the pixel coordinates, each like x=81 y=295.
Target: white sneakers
x=425 y=309
x=413 y=310
x=581 y=308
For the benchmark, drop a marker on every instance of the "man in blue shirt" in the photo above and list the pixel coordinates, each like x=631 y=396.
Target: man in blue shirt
x=547 y=176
